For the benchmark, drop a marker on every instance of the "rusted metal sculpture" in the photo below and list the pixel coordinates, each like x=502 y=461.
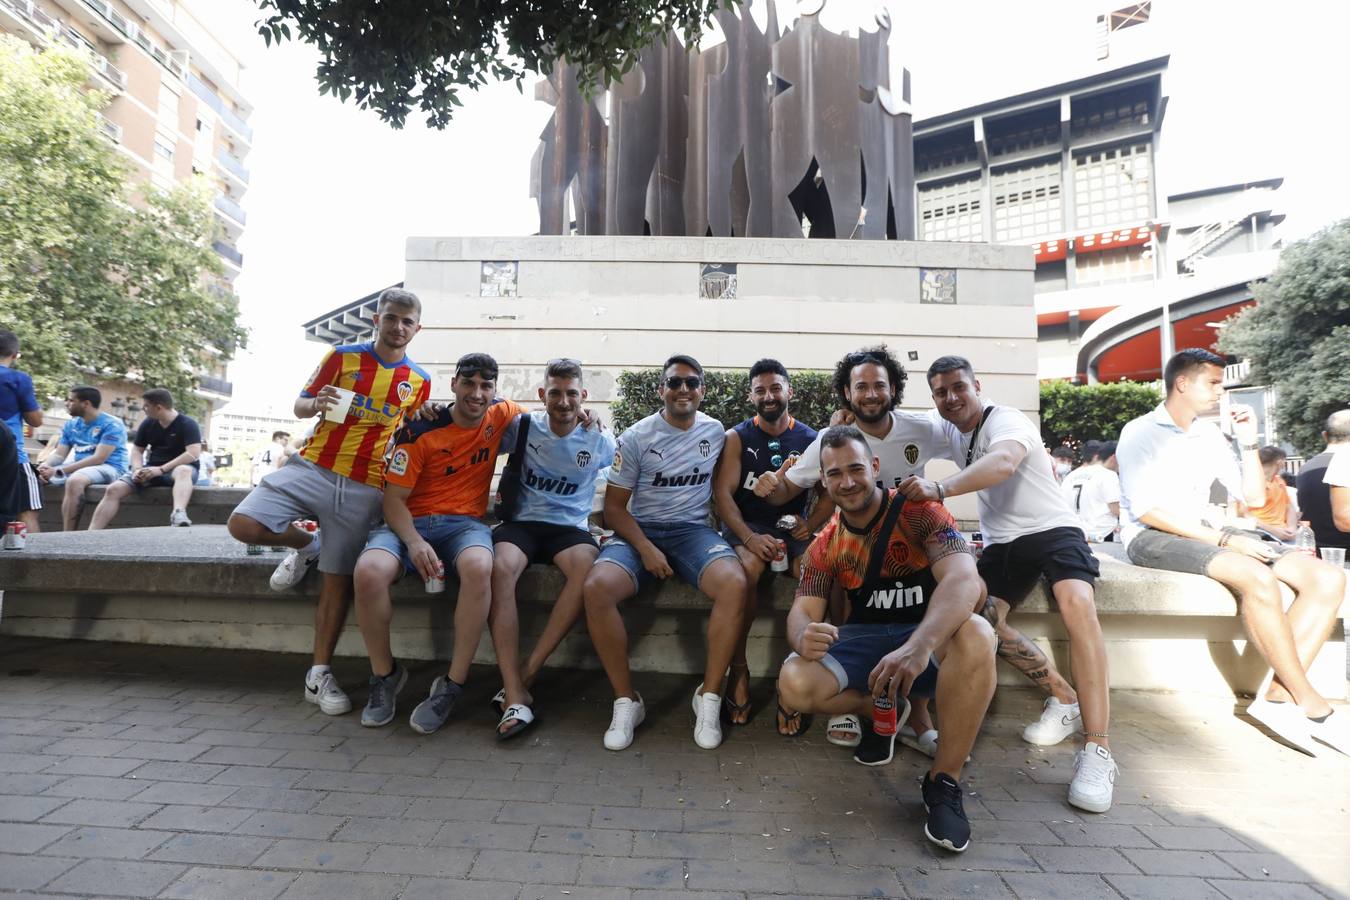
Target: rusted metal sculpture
x=761 y=136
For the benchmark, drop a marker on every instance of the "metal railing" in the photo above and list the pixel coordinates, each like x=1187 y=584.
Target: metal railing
x=232 y=165
x=228 y=116
x=215 y=385
x=231 y=209
x=229 y=253
x=111 y=130
x=27 y=10
x=97 y=60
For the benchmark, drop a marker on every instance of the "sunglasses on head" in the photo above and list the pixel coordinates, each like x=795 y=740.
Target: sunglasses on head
x=693 y=382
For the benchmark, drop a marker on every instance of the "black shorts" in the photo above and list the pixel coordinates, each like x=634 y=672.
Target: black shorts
x=541 y=541
x=1011 y=570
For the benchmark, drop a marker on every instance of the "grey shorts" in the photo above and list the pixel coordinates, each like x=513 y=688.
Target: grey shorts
x=1154 y=549
x=346 y=510
x=103 y=473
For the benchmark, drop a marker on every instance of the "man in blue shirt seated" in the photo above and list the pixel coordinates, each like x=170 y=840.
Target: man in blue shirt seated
x=99 y=445
x=19 y=406
x=549 y=523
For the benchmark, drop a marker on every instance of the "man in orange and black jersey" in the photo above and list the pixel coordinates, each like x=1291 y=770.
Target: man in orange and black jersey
x=913 y=601
x=435 y=497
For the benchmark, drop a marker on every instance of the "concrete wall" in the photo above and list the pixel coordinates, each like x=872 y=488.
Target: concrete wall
x=627 y=303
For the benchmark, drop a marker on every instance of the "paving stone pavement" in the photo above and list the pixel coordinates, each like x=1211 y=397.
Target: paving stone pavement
x=141 y=771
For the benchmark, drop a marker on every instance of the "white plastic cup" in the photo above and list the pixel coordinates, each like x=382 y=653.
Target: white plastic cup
x=1333 y=555
x=338 y=411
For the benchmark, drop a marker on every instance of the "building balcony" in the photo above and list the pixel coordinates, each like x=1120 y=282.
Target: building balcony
x=37 y=24
x=231 y=120
x=111 y=130
x=118 y=28
x=97 y=61
x=213 y=385
x=232 y=166
x=229 y=254
x=231 y=209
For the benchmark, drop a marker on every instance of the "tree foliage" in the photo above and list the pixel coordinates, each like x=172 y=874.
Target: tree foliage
x=1297 y=336
x=1072 y=414
x=725 y=398
x=398 y=55
x=97 y=280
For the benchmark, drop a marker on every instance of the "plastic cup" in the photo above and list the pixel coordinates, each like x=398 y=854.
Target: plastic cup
x=338 y=411
x=1334 y=555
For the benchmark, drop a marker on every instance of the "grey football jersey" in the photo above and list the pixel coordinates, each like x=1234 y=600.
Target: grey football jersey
x=669 y=470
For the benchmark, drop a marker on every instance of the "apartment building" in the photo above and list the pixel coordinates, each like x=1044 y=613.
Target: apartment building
x=176 y=109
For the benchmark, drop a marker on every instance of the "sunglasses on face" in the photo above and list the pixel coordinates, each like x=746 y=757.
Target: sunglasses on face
x=693 y=382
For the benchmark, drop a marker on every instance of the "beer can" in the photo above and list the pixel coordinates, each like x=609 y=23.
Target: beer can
x=780 y=559
x=16 y=536
x=254 y=549
x=436 y=583
x=883 y=715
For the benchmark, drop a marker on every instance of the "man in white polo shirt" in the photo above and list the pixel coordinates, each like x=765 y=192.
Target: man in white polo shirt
x=1168 y=465
x=1030 y=534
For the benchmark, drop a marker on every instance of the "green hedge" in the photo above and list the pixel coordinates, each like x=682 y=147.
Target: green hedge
x=1072 y=414
x=725 y=399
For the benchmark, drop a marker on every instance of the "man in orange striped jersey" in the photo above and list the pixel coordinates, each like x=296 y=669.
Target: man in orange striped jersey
x=338 y=476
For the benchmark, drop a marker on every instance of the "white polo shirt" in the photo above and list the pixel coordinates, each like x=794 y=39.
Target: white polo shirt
x=1338 y=470
x=902 y=452
x=1028 y=501
x=1164 y=467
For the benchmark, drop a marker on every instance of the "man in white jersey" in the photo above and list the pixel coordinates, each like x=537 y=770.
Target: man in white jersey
x=270 y=458
x=664 y=465
x=1095 y=497
x=1030 y=533
x=547 y=523
x=869 y=384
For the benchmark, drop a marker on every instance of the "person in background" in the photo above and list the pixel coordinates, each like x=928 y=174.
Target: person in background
x=98 y=442
x=1093 y=490
x=1277 y=515
x=1315 y=491
x=270 y=458
x=1062 y=459
x=206 y=474
x=19 y=407
x=174 y=442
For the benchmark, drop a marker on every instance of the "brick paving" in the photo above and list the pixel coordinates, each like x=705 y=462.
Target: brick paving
x=161 y=772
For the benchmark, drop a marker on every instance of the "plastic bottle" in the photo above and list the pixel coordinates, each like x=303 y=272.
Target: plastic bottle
x=1304 y=540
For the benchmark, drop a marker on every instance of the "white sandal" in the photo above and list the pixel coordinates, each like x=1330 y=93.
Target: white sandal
x=848 y=726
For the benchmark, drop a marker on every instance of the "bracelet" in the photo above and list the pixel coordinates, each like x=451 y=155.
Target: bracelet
x=1223 y=539
x=1097 y=734
x=942 y=493
x=1249 y=447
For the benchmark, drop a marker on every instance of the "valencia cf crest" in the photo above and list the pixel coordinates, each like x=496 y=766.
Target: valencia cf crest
x=583 y=458
x=404 y=391
x=912 y=454
x=487 y=432
x=617 y=465
x=705 y=449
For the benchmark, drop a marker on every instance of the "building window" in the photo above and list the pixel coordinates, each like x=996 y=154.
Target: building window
x=1027 y=202
x=1123 y=110
x=951 y=212
x=168 y=106
x=164 y=148
x=1115 y=265
x=1113 y=187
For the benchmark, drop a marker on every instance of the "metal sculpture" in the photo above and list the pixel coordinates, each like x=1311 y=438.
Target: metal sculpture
x=761 y=136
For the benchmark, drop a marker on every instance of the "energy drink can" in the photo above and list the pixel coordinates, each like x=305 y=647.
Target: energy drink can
x=436 y=583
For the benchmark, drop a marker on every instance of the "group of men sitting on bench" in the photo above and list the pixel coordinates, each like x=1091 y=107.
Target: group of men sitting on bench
x=890 y=603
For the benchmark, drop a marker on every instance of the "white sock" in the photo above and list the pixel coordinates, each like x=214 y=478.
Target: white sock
x=316 y=672
x=311 y=550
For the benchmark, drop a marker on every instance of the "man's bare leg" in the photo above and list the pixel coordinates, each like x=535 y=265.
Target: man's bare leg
x=474 y=568
x=335 y=594
x=376 y=570
x=29 y=518
x=1022 y=653
x=1267 y=626
x=605 y=588
x=184 y=480
x=107 y=508
x=1077 y=607
x=504 y=620
x=724 y=582
x=811 y=688
x=1319 y=589
x=966 y=681
x=575 y=563
x=251 y=531
x=72 y=501
x=738 y=682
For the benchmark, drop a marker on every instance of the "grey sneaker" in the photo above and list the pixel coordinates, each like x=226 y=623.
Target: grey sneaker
x=179 y=518
x=383 y=694
x=432 y=712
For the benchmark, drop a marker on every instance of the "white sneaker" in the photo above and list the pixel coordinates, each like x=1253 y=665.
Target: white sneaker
x=1057 y=721
x=179 y=518
x=925 y=743
x=1334 y=730
x=707 y=719
x=1287 y=721
x=324 y=691
x=628 y=715
x=1094 y=778
x=292 y=570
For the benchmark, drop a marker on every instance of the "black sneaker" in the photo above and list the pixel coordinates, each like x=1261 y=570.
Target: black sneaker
x=947 y=825
x=874 y=749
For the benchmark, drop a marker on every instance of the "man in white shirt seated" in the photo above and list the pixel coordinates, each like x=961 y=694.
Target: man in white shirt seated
x=1093 y=490
x=1168 y=463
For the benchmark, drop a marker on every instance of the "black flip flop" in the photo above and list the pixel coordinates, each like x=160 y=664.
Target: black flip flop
x=789 y=718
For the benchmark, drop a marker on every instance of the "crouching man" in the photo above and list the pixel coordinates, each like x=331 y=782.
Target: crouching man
x=913 y=589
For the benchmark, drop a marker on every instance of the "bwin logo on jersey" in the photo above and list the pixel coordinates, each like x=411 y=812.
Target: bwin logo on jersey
x=560 y=486
x=662 y=480
x=897 y=598
x=704 y=449
x=583 y=458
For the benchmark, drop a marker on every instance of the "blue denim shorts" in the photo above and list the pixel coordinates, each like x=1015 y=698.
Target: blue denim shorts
x=689 y=549
x=859 y=648
x=449 y=536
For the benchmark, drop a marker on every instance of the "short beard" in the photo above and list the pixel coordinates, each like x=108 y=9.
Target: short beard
x=870 y=420
x=773 y=416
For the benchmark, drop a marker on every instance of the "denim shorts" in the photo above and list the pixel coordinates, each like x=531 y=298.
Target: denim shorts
x=795 y=547
x=1154 y=549
x=859 y=648
x=689 y=549
x=449 y=536
x=103 y=473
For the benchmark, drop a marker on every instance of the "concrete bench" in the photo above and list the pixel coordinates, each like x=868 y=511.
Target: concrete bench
x=196 y=587
x=150 y=507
